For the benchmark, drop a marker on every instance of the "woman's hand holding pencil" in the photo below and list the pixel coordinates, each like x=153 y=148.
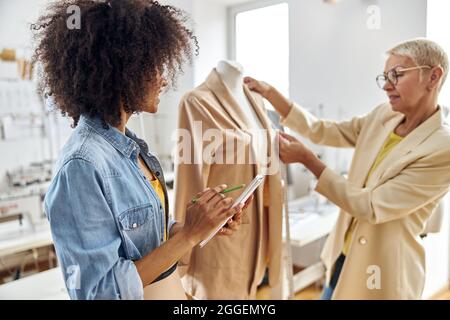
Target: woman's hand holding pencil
x=195 y=199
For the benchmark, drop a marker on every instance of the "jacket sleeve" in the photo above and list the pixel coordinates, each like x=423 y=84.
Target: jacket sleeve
x=86 y=237
x=324 y=132
x=415 y=187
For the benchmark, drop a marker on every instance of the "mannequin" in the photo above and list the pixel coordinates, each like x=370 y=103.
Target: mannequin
x=232 y=74
x=229 y=267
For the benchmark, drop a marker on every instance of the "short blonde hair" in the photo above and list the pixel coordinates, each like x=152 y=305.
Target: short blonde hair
x=423 y=52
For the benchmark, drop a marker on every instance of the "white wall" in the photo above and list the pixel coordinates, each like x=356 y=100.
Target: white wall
x=335 y=58
x=211 y=30
x=15 y=19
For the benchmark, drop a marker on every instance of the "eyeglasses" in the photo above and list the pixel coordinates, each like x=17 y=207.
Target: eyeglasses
x=393 y=75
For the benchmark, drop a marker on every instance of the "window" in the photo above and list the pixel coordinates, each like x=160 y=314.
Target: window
x=438 y=25
x=261 y=42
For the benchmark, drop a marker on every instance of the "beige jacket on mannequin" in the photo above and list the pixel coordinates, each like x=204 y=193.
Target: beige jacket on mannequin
x=228 y=267
x=386 y=259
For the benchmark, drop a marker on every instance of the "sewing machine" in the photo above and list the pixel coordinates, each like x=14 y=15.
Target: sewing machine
x=21 y=212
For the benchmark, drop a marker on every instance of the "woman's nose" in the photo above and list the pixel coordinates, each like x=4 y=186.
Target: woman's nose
x=388 y=86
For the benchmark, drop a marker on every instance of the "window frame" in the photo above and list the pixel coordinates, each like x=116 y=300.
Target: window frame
x=232 y=13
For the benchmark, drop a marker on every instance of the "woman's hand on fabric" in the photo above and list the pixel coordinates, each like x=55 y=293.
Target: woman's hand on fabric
x=291 y=149
x=260 y=87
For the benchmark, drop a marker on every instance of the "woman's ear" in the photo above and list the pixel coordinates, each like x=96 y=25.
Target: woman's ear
x=435 y=78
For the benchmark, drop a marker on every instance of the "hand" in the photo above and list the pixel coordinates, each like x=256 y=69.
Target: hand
x=291 y=149
x=205 y=215
x=233 y=223
x=258 y=86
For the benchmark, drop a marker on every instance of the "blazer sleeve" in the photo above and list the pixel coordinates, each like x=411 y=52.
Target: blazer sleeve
x=413 y=188
x=324 y=132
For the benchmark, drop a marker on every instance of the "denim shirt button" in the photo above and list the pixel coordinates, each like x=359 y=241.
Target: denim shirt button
x=158 y=173
x=134 y=225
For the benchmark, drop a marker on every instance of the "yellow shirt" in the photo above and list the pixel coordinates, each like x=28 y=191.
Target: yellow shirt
x=390 y=143
x=160 y=192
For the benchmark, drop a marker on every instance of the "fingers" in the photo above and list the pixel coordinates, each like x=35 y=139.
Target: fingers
x=247 y=203
x=219 y=198
x=232 y=211
x=233 y=225
x=197 y=197
x=251 y=83
x=248 y=80
x=287 y=136
x=284 y=146
x=237 y=218
x=211 y=193
x=226 y=232
x=223 y=204
x=283 y=152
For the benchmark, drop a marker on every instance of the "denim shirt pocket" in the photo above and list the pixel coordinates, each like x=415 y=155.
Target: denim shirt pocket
x=137 y=228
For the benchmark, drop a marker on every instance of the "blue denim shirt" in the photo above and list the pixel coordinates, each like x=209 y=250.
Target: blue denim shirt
x=103 y=212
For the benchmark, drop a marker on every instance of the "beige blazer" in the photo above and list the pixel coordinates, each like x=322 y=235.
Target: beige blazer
x=386 y=259
x=228 y=267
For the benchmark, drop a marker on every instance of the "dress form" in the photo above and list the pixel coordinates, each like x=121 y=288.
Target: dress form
x=232 y=74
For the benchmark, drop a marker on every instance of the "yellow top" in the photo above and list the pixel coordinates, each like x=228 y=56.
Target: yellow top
x=160 y=192
x=390 y=143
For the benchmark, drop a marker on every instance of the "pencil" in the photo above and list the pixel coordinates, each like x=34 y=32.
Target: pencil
x=194 y=200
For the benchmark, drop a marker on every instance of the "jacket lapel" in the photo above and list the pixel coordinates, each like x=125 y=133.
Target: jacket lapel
x=226 y=99
x=258 y=109
x=367 y=159
x=409 y=143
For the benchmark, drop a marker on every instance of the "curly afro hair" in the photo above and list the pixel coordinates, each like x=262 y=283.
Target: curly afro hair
x=121 y=48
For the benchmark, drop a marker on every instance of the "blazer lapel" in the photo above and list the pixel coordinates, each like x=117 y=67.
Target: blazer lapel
x=226 y=99
x=368 y=158
x=409 y=143
x=258 y=109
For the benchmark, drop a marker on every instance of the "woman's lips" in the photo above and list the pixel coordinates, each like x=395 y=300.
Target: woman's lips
x=393 y=98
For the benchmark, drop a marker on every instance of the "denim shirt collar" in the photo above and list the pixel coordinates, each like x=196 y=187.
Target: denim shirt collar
x=127 y=144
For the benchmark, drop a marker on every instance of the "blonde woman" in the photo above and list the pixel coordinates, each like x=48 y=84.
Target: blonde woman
x=400 y=170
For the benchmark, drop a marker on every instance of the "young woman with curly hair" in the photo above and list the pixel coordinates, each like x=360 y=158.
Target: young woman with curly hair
x=107 y=204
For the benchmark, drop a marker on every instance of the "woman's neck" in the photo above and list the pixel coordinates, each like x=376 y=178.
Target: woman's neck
x=414 y=119
x=124 y=117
